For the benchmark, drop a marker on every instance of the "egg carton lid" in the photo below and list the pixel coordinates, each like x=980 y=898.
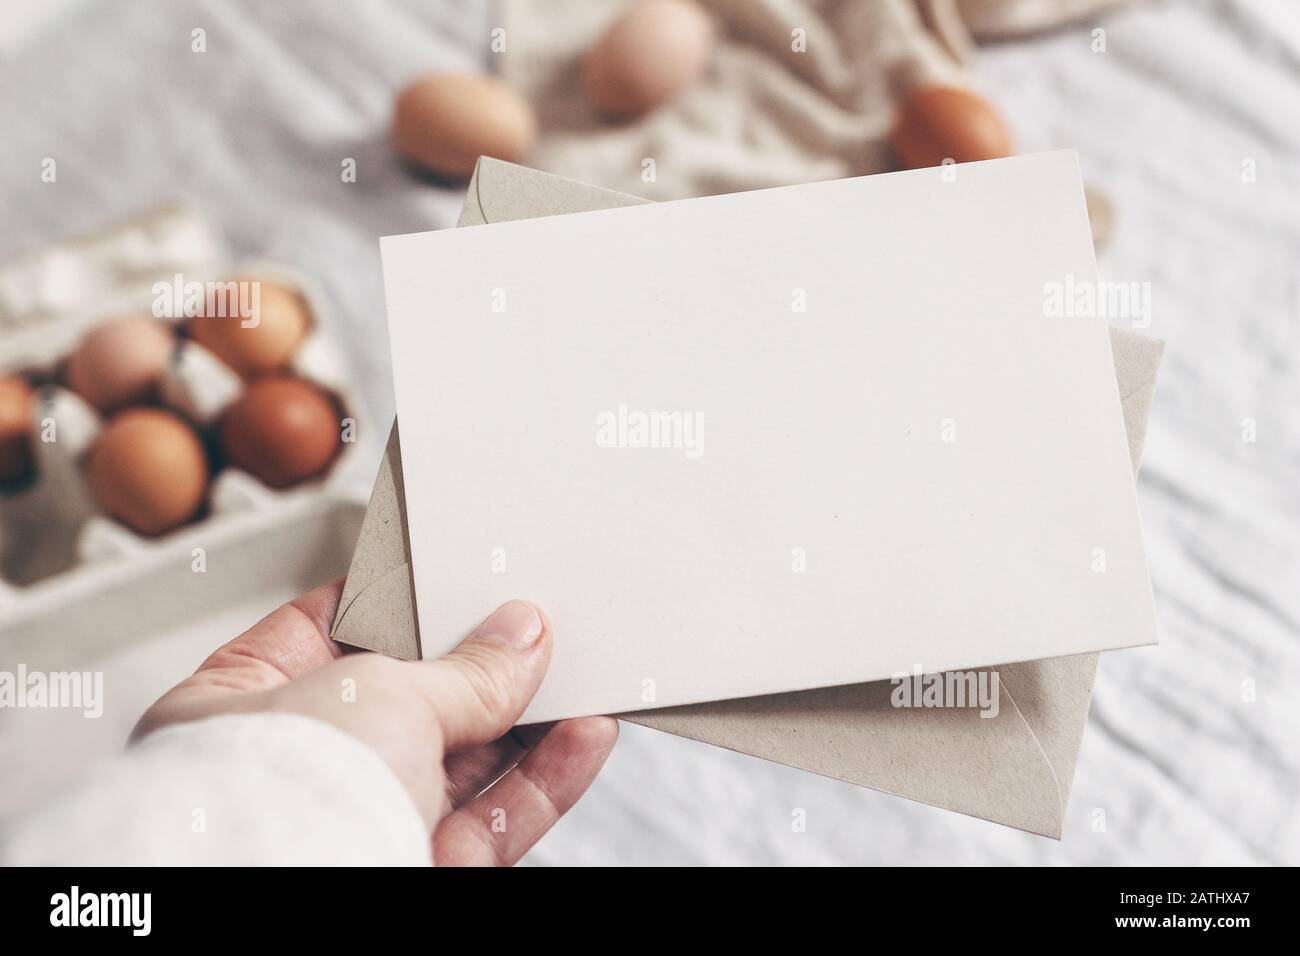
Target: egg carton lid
x=50 y=295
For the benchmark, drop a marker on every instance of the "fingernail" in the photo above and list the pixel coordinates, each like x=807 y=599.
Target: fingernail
x=516 y=623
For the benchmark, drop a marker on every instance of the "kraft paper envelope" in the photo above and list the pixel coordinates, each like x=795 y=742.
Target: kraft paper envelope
x=1013 y=769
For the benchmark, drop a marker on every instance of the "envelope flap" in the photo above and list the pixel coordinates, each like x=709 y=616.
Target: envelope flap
x=503 y=193
x=377 y=608
x=382 y=617
x=988 y=767
x=1053 y=695
x=1137 y=360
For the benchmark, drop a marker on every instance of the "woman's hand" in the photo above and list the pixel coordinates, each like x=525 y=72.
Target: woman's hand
x=487 y=792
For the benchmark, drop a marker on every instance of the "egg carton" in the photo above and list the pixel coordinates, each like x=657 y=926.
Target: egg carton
x=56 y=548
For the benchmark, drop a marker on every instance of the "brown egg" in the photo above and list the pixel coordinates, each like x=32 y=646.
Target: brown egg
x=119 y=362
x=16 y=405
x=946 y=122
x=445 y=121
x=273 y=332
x=147 y=469
x=648 y=56
x=282 y=430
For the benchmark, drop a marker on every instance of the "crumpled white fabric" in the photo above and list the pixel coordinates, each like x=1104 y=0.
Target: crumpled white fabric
x=796 y=90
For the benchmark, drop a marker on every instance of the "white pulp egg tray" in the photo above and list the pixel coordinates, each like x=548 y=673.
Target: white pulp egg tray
x=74 y=581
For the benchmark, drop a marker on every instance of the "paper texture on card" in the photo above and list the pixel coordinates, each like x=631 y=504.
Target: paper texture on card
x=636 y=418
x=997 y=769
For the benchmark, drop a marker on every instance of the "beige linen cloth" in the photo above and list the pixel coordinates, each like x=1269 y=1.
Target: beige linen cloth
x=763 y=114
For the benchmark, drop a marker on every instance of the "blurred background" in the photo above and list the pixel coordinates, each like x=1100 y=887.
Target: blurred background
x=293 y=134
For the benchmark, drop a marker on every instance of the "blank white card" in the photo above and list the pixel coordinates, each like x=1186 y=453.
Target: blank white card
x=770 y=441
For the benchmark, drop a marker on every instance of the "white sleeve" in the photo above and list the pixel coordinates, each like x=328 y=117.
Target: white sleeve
x=247 y=789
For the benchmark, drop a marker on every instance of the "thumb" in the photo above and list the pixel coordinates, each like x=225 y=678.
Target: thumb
x=480 y=689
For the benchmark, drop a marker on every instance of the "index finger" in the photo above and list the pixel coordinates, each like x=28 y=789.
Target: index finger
x=292 y=639
x=288 y=642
